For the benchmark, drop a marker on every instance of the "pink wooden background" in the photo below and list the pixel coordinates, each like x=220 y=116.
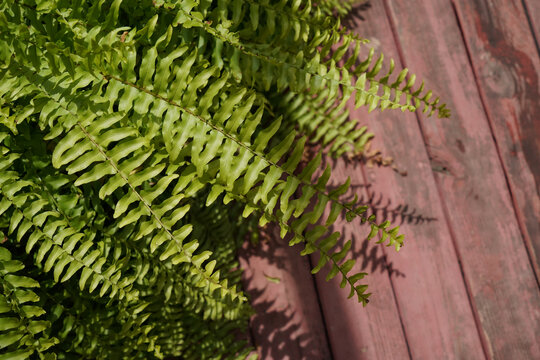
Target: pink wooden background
x=465 y=286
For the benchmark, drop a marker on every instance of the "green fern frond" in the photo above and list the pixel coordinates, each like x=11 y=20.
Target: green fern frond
x=309 y=72
x=23 y=331
x=339 y=7
x=57 y=245
x=323 y=123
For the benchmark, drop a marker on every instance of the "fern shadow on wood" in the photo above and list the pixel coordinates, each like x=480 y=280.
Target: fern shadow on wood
x=287 y=323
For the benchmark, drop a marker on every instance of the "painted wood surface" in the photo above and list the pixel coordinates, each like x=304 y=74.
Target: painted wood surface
x=356 y=332
x=431 y=293
x=464 y=285
x=288 y=323
x=473 y=187
x=533 y=10
x=507 y=68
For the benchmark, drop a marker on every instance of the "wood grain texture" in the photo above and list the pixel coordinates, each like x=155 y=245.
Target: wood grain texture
x=433 y=301
x=288 y=322
x=533 y=10
x=507 y=68
x=356 y=332
x=475 y=195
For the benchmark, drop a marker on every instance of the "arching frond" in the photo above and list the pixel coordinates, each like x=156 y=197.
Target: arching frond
x=23 y=330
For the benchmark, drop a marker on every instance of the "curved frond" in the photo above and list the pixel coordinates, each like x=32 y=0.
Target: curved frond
x=357 y=78
x=23 y=331
x=324 y=123
x=48 y=234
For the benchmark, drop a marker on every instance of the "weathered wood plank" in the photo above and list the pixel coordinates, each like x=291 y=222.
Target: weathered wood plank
x=434 y=305
x=288 y=322
x=507 y=68
x=356 y=332
x=473 y=187
x=533 y=10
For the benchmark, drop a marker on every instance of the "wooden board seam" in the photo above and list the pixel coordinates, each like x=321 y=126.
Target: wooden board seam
x=522 y=227
x=483 y=339
x=531 y=27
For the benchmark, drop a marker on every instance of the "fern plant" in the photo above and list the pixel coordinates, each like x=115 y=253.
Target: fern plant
x=142 y=141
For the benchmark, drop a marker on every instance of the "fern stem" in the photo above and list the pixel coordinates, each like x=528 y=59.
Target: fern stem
x=290 y=229
x=148 y=207
x=248 y=148
x=246 y=49
x=65 y=252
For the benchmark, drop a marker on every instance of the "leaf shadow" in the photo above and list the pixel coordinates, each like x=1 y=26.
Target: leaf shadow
x=287 y=323
x=356 y=14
